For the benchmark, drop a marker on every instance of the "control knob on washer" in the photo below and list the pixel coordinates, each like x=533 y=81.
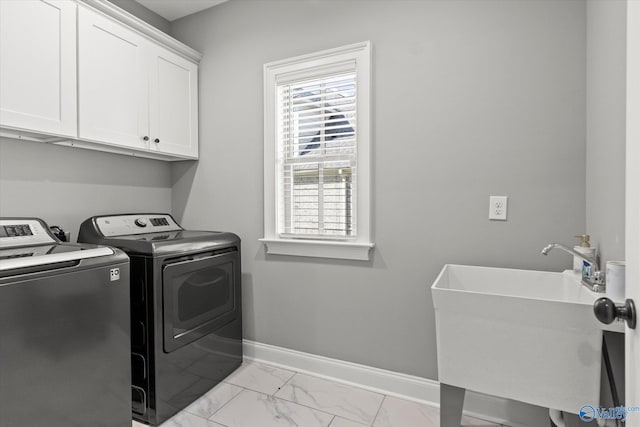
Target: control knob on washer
x=141 y=222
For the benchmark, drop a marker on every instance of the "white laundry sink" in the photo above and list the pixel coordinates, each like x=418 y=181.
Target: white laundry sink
x=524 y=335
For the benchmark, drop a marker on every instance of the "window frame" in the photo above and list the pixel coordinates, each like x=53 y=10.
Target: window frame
x=358 y=57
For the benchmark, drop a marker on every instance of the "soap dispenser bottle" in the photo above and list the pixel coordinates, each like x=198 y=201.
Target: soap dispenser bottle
x=584 y=248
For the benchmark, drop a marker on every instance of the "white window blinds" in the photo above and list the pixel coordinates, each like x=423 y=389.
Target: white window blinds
x=317 y=154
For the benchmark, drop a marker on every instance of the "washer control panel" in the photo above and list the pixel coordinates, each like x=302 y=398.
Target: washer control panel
x=141 y=222
x=121 y=225
x=23 y=232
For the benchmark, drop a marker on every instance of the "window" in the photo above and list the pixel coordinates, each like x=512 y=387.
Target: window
x=317 y=154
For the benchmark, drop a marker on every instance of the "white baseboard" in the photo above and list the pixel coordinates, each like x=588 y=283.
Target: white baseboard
x=409 y=387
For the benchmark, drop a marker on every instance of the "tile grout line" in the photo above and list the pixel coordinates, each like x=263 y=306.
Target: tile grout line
x=293 y=374
x=384 y=397
x=310 y=407
x=284 y=384
x=225 y=404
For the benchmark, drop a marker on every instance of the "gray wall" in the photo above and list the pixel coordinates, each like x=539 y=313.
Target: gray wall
x=606 y=111
x=471 y=99
x=64 y=185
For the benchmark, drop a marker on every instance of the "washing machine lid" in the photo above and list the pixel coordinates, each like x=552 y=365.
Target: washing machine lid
x=27 y=242
x=34 y=256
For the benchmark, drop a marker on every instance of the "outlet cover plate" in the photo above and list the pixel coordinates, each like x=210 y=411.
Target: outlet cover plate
x=498 y=208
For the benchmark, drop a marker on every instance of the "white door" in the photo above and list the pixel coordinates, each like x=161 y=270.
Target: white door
x=632 y=341
x=112 y=82
x=173 y=97
x=38 y=66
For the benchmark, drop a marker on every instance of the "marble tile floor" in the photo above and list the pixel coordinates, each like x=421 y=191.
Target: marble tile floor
x=258 y=395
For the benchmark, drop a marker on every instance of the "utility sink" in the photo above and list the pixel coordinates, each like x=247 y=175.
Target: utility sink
x=524 y=335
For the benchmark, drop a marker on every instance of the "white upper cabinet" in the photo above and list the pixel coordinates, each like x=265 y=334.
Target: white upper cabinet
x=113 y=90
x=133 y=92
x=90 y=75
x=173 y=96
x=38 y=67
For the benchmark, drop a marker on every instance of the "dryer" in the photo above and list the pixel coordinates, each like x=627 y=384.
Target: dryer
x=64 y=330
x=186 y=307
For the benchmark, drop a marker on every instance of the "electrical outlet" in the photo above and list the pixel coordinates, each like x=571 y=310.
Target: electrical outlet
x=498 y=208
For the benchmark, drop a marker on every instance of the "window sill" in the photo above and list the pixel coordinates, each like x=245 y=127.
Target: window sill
x=318 y=248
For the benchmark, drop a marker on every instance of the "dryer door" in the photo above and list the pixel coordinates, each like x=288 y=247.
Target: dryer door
x=200 y=295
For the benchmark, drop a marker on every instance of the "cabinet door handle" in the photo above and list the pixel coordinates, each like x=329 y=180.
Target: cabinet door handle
x=156 y=140
x=145 y=138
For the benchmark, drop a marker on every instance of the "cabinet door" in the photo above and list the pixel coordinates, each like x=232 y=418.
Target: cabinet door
x=173 y=104
x=112 y=82
x=38 y=66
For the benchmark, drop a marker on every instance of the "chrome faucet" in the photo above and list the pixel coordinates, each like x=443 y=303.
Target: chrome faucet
x=592 y=277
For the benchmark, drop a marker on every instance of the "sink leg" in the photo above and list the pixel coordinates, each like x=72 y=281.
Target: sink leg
x=451 y=403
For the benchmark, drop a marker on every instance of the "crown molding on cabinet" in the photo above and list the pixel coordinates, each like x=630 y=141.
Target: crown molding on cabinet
x=144 y=28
